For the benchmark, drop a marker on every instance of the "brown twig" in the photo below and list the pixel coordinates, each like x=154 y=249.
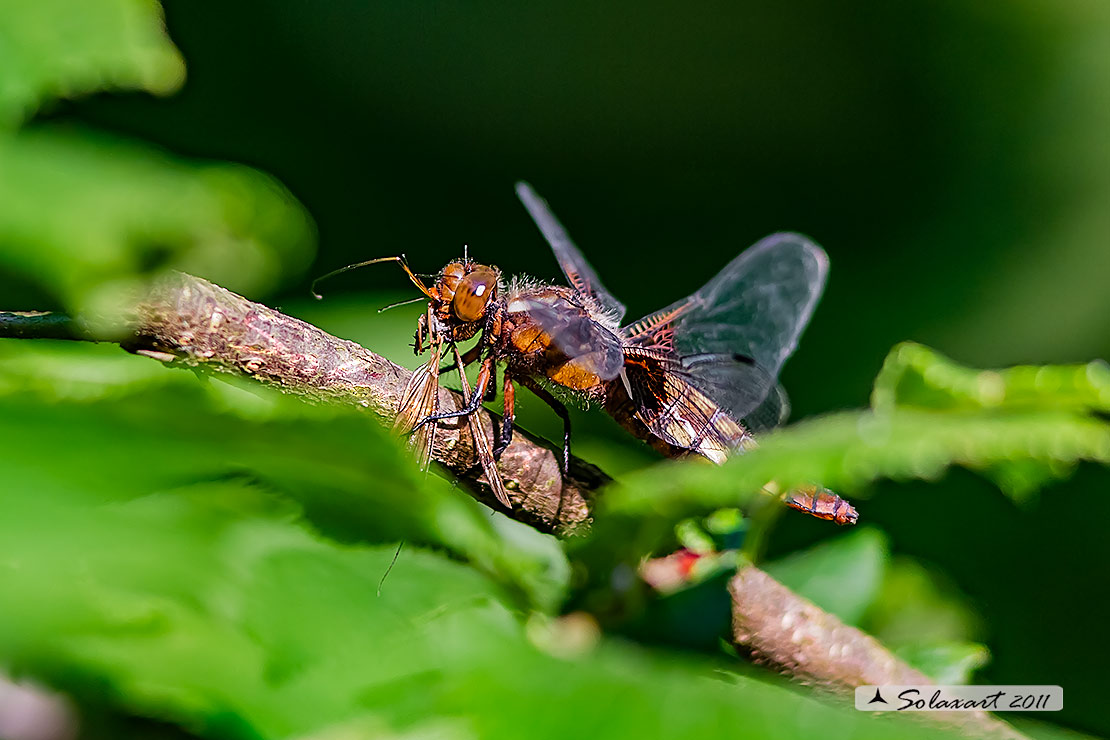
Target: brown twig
x=41 y=325
x=778 y=628
x=185 y=321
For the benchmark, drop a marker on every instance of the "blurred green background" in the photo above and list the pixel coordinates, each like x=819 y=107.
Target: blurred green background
x=952 y=158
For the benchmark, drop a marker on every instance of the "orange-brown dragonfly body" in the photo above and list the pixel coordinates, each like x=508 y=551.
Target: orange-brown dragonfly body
x=699 y=376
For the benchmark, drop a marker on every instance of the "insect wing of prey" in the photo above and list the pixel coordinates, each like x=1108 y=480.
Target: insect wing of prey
x=419 y=401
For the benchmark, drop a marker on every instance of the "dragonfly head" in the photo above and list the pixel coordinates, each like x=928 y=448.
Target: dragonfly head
x=468 y=288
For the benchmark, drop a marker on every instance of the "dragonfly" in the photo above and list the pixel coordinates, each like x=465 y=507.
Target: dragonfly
x=698 y=377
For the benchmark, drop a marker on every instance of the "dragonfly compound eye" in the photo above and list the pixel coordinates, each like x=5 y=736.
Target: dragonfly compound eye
x=473 y=294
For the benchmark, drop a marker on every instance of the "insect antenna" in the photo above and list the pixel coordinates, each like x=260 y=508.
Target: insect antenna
x=399 y=260
x=417 y=299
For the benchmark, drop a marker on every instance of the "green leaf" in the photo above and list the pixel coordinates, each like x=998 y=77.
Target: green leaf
x=694 y=538
x=843 y=452
x=90 y=218
x=927 y=622
x=916 y=376
x=350 y=478
x=238 y=621
x=205 y=555
x=77 y=372
x=1038 y=425
x=946 y=663
x=62 y=49
x=842 y=575
x=918 y=606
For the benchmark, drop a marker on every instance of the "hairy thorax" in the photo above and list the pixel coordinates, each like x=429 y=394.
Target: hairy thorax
x=529 y=349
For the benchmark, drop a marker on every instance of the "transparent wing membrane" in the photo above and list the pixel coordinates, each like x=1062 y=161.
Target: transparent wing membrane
x=735 y=333
x=676 y=409
x=578 y=271
x=582 y=339
x=419 y=401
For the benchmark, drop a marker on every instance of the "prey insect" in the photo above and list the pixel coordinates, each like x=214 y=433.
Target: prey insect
x=458 y=303
x=697 y=377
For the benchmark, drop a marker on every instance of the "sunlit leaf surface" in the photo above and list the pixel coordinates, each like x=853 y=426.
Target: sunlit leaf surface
x=127 y=434
x=60 y=49
x=214 y=564
x=93 y=230
x=841 y=576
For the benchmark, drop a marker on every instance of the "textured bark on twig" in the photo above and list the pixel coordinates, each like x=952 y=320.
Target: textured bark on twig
x=188 y=322
x=778 y=628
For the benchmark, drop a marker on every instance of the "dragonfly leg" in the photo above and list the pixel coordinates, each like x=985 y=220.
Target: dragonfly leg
x=545 y=395
x=491 y=391
x=469 y=357
x=480 y=385
x=508 y=394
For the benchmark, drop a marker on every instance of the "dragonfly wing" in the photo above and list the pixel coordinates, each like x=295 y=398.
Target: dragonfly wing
x=676 y=407
x=742 y=387
x=753 y=311
x=583 y=340
x=578 y=271
x=772 y=412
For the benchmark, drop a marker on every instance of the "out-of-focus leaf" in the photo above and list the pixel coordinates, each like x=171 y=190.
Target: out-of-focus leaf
x=842 y=576
x=76 y=372
x=916 y=606
x=946 y=663
x=372 y=728
x=1021 y=480
x=919 y=377
x=1044 y=730
x=847 y=451
x=237 y=621
x=694 y=538
x=62 y=49
x=231 y=611
x=90 y=218
x=136 y=434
